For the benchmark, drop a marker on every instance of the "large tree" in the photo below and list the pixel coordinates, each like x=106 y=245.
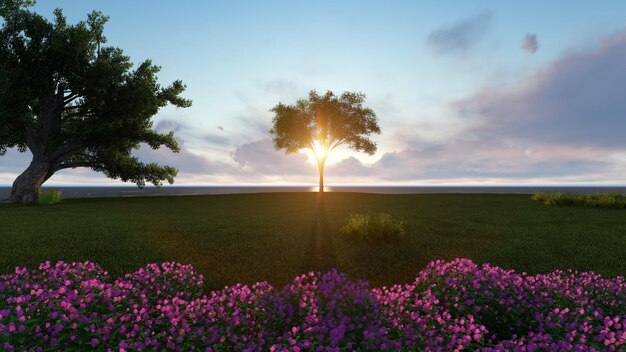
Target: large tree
x=73 y=102
x=322 y=123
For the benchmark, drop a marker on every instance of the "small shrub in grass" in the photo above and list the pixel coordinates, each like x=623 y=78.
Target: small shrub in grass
x=599 y=200
x=373 y=228
x=50 y=196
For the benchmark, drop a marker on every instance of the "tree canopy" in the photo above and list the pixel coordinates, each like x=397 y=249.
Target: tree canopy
x=322 y=123
x=75 y=102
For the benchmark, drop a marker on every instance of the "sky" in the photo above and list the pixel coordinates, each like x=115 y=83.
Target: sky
x=466 y=93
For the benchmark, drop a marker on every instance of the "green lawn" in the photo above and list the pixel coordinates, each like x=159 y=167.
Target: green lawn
x=273 y=237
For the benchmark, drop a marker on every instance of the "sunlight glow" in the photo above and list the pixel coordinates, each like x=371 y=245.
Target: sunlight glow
x=319 y=150
x=317 y=188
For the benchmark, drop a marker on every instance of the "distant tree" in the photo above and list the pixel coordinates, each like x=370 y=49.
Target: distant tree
x=321 y=123
x=73 y=102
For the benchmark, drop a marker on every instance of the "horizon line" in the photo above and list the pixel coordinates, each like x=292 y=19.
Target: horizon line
x=337 y=185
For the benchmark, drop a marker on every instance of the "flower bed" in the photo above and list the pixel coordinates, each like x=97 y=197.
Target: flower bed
x=451 y=305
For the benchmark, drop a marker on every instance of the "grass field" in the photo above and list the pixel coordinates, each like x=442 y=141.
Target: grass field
x=273 y=237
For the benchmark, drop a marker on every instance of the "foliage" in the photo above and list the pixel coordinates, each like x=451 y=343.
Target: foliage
x=451 y=305
x=329 y=119
x=74 y=102
x=599 y=200
x=49 y=196
x=322 y=123
x=373 y=228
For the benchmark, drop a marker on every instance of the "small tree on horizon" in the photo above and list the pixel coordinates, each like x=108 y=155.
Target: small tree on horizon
x=73 y=102
x=322 y=123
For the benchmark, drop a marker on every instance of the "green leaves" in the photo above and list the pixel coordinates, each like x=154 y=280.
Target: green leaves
x=75 y=102
x=294 y=127
x=10 y=7
x=332 y=120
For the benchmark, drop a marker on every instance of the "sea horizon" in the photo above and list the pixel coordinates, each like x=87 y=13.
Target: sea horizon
x=90 y=191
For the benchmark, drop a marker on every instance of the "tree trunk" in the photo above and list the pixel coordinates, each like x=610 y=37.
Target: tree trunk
x=320 y=166
x=27 y=185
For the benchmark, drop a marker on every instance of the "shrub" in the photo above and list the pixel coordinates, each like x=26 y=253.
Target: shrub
x=373 y=228
x=451 y=305
x=599 y=200
x=49 y=196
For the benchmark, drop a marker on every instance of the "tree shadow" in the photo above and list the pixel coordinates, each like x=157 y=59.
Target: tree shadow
x=320 y=253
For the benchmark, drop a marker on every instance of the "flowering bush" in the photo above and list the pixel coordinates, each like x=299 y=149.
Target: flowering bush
x=452 y=305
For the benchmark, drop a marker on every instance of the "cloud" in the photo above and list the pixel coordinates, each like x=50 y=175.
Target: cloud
x=256 y=121
x=530 y=43
x=260 y=158
x=166 y=126
x=183 y=132
x=277 y=87
x=349 y=166
x=491 y=158
x=185 y=161
x=461 y=36
x=215 y=138
x=577 y=100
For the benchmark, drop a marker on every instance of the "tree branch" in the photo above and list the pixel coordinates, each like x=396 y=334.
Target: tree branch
x=337 y=143
x=71 y=98
x=70 y=107
x=74 y=165
x=76 y=114
x=66 y=150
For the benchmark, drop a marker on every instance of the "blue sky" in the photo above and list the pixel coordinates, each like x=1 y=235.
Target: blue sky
x=479 y=92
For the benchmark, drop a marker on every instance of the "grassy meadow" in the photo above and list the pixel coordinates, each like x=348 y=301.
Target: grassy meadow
x=275 y=236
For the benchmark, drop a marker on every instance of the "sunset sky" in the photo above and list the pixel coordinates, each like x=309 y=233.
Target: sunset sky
x=466 y=92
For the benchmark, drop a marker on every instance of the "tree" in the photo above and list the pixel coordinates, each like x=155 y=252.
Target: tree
x=321 y=123
x=73 y=102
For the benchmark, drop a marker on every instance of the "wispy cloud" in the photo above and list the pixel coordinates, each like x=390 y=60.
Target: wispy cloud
x=184 y=132
x=461 y=36
x=165 y=126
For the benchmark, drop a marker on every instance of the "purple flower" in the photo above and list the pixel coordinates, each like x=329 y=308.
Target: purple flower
x=451 y=305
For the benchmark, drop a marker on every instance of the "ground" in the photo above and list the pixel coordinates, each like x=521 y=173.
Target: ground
x=274 y=237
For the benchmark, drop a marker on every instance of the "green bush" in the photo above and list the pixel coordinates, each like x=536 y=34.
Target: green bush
x=373 y=228
x=50 y=196
x=599 y=200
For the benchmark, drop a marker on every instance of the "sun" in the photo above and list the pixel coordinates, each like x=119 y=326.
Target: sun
x=316 y=152
x=320 y=151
